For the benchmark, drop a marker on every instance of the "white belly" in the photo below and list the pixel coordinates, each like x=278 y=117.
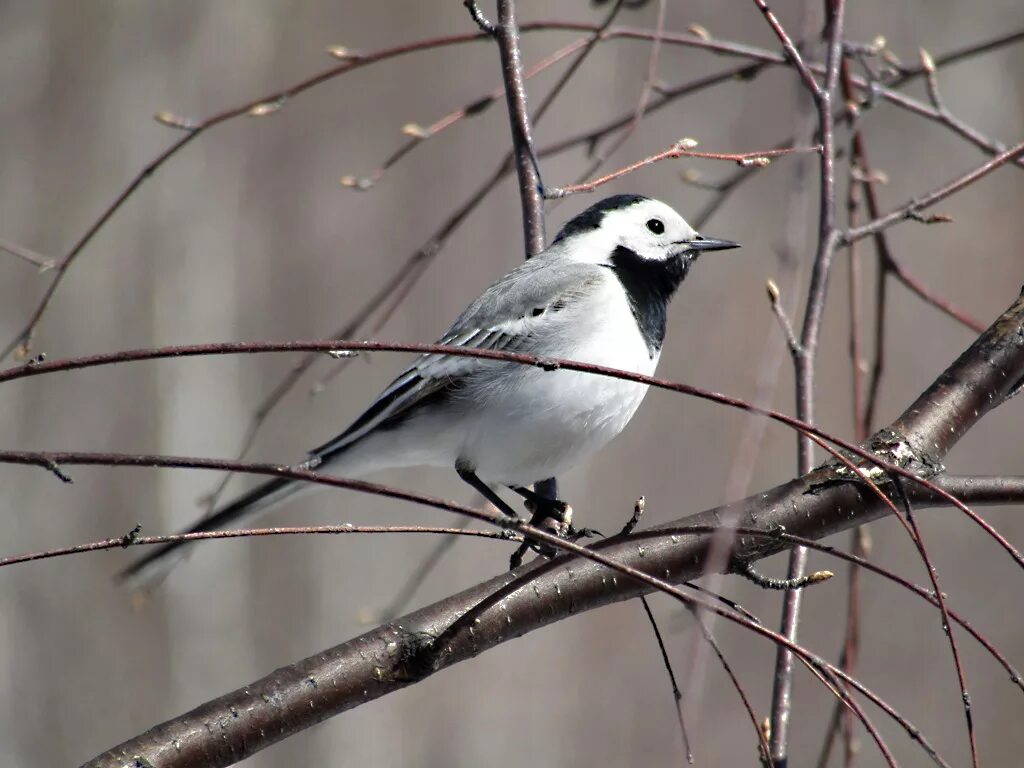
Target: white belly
x=516 y=424
x=545 y=422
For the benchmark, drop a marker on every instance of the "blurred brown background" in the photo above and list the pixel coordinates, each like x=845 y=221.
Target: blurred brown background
x=247 y=235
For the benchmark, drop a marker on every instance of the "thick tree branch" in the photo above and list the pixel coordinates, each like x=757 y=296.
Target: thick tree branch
x=405 y=651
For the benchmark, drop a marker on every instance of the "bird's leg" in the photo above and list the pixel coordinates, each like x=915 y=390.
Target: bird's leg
x=548 y=514
x=517 y=557
x=469 y=475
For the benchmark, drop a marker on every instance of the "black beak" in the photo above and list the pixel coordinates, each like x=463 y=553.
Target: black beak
x=701 y=243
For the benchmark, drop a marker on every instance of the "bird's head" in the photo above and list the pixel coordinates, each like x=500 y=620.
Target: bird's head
x=647 y=228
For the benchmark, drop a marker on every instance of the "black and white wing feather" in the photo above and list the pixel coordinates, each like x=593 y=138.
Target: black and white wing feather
x=509 y=316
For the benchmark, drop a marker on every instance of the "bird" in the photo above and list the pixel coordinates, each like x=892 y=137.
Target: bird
x=599 y=294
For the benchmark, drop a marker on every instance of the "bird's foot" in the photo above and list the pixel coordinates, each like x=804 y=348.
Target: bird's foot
x=552 y=516
x=575 y=534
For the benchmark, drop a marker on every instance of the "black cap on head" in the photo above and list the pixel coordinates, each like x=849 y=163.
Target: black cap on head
x=591 y=218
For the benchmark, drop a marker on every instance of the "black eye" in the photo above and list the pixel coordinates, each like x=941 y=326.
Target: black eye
x=657 y=226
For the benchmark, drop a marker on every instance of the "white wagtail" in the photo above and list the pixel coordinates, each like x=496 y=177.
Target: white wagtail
x=598 y=294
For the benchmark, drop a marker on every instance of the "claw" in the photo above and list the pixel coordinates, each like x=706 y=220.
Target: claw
x=553 y=516
x=574 y=534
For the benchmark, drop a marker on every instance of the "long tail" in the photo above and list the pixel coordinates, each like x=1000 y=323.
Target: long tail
x=158 y=562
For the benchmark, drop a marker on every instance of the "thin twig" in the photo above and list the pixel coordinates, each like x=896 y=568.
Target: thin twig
x=530 y=188
x=794 y=235
x=682 y=148
x=915 y=206
x=272 y=102
x=665 y=97
x=122 y=542
x=878 y=361
x=443 y=652
x=716 y=648
x=804 y=362
x=851 y=648
x=792 y=54
x=926 y=420
x=841 y=720
x=478 y=17
x=407 y=275
x=751 y=574
x=858 y=365
x=915 y=535
x=965 y=697
x=27 y=254
x=419 y=134
x=643 y=102
x=677 y=696
x=897 y=270
x=784 y=323
x=960 y=128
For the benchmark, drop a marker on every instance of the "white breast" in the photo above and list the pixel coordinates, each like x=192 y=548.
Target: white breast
x=537 y=423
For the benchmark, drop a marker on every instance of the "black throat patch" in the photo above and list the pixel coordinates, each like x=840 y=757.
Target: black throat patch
x=649 y=287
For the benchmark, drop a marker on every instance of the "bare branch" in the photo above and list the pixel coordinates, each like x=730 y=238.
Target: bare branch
x=926 y=294
x=682 y=148
x=333 y=680
x=912 y=448
x=774 y=295
x=915 y=535
x=747 y=571
x=394 y=657
x=27 y=254
x=792 y=54
x=677 y=696
x=419 y=134
x=272 y=102
x=804 y=363
x=530 y=190
x=939 y=194
x=259 y=107
x=977 y=379
x=123 y=542
x=478 y=17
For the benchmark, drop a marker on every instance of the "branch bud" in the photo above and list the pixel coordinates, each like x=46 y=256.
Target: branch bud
x=699 y=31
x=927 y=61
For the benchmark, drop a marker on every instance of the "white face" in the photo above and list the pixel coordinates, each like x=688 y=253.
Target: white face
x=647 y=227
x=650 y=228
